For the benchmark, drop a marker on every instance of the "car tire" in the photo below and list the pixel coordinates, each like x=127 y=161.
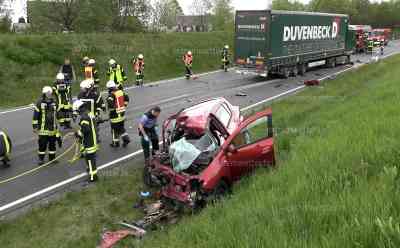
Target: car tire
x=221 y=190
x=286 y=72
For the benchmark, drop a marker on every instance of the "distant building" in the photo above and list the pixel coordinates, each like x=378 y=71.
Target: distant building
x=187 y=23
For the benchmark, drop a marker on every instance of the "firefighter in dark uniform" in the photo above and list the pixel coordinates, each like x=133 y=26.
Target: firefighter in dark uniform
x=188 y=61
x=68 y=70
x=62 y=91
x=225 y=58
x=148 y=131
x=88 y=138
x=93 y=102
x=91 y=73
x=116 y=73
x=5 y=148
x=46 y=126
x=117 y=102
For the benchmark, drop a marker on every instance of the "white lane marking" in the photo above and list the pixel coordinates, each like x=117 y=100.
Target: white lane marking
x=16 y=109
x=82 y=175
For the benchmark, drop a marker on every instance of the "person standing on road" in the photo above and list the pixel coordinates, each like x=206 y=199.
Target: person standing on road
x=117 y=102
x=45 y=124
x=138 y=67
x=188 y=61
x=88 y=138
x=68 y=70
x=225 y=58
x=116 y=73
x=62 y=91
x=148 y=131
x=93 y=102
x=5 y=148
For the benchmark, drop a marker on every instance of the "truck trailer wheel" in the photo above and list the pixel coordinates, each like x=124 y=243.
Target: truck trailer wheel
x=295 y=71
x=302 y=69
x=286 y=72
x=331 y=63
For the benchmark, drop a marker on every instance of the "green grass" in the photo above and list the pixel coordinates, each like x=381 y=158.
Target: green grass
x=337 y=183
x=32 y=61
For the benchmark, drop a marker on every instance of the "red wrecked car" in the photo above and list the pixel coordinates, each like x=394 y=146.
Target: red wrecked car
x=206 y=148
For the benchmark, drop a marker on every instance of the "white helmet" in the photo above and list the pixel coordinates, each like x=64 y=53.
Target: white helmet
x=112 y=62
x=189 y=53
x=77 y=105
x=47 y=90
x=86 y=84
x=91 y=62
x=60 y=76
x=141 y=56
x=226 y=47
x=111 y=85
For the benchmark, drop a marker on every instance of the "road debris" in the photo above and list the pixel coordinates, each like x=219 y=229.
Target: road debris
x=243 y=94
x=109 y=239
x=314 y=82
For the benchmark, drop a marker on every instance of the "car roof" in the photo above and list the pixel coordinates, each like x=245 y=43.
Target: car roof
x=204 y=108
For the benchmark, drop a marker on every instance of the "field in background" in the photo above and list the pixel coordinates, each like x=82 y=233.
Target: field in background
x=336 y=185
x=31 y=61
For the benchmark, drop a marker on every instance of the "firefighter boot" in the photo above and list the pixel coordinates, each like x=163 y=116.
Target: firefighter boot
x=126 y=140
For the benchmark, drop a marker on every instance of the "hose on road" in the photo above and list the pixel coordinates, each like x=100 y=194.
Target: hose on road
x=44 y=165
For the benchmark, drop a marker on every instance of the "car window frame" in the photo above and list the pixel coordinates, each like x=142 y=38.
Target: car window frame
x=268 y=136
x=225 y=106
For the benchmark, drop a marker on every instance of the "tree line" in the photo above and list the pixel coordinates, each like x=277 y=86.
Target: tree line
x=83 y=16
x=378 y=14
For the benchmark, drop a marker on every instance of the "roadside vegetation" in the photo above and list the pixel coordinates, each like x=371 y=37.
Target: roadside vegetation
x=336 y=184
x=31 y=61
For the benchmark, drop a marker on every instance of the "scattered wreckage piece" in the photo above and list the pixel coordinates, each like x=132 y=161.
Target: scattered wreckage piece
x=109 y=239
x=313 y=82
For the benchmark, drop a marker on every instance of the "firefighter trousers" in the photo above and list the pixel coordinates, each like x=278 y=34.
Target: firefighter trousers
x=118 y=132
x=91 y=166
x=139 y=78
x=64 y=117
x=47 y=143
x=188 y=71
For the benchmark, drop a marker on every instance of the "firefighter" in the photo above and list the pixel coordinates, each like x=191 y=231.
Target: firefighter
x=116 y=73
x=45 y=125
x=371 y=46
x=5 y=148
x=148 y=131
x=138 y=67
x=382 y=47
x=88 y=138
x=93 y=101
x=85 y=61
x=92 y=73
x=68 y=70
x=225 y=58
x=62 y=92
x=117 y=102
x=188 y=61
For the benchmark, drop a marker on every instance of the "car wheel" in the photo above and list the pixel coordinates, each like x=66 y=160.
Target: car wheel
x=221 y=190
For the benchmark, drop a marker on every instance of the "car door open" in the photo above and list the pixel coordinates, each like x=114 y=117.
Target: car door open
x=251 y=145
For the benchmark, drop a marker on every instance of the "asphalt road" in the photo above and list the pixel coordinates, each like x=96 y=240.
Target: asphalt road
x=171 y=95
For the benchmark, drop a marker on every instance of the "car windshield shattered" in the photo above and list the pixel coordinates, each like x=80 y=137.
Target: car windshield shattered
x=194 y=154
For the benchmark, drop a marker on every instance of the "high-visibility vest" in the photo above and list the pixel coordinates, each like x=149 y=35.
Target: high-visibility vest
x=119 y=102
x=116 y=73
x=88 y=72
x=188 y=59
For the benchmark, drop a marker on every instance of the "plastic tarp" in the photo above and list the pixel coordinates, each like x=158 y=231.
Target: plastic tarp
x=183 y=154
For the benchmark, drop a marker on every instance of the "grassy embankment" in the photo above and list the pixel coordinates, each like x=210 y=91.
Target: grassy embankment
x=337 y=183
x=32 y=61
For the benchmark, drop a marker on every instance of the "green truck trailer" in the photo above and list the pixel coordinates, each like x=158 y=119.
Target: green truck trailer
x=288 y=42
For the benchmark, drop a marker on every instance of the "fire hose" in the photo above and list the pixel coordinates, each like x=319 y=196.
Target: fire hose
x=75 y=144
